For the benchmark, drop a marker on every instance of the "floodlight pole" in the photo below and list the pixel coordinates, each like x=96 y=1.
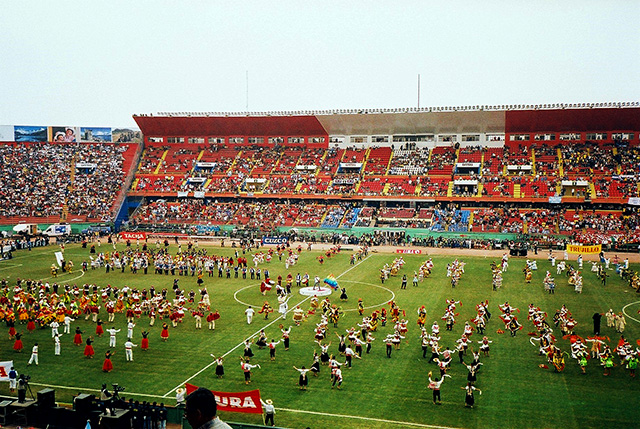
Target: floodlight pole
x=418 y=90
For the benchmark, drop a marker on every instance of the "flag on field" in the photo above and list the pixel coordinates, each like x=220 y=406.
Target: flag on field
x=59 y=258
x=331 y=282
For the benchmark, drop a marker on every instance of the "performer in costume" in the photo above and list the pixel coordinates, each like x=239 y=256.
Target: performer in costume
x=107 y=366
x=144 y=344
x=165 y=332
x=248 y=353
x=99 y=328
x=303 y=382
x=17 y=345
x=246 y=368
x=468 y=398
x=88 y=348
x=219 y=366
x=77 y=338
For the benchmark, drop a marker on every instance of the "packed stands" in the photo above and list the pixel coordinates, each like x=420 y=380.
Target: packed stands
x=378 y=161
x=51 y=180
x=441 y=161
x=524 y=180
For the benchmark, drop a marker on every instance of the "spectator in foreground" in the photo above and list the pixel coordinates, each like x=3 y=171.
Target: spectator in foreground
x=201 y=410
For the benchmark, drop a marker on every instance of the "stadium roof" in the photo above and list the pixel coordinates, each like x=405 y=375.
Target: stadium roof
x=459 y=120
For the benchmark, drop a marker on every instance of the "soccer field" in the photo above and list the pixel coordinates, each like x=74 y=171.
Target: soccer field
x=378 y=391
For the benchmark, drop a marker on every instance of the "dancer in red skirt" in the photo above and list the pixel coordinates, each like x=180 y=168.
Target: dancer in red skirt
x=165 y=332
x=107 y=366
x=31 y=325
x=12 y=328
x=88 y=349
x=144 y=344
x=77 y=339
x=18 y=346
x=99 y=329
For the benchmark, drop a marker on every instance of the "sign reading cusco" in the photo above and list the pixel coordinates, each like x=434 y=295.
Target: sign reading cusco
x=274 y=240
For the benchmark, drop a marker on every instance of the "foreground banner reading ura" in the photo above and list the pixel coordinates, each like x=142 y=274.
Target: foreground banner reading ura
x=235 y=402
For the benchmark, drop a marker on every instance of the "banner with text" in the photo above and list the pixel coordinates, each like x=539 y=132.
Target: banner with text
x=409 y=251
x=274 y=240
x=634 y=201
x=235 y=402
x=133 y=235
x=585 y=250
x=5 y=367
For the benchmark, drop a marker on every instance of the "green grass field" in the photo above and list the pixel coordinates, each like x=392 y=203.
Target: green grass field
x=377 y=391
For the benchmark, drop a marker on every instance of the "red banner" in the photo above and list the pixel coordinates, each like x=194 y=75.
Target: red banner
x=411 y=251
x=133 y=235
x=235 y=402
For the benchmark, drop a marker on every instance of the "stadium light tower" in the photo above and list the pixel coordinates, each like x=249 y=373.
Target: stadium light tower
x=418 y=90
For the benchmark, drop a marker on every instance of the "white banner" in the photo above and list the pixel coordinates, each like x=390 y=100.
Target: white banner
x=574 y=183
x=5 y=367
x=555 y=200
x=86 y=165
x=463 y=182
x=634 y=201
x=59 y=258
x=202 y=164
x=306 y=167
x=196 y=179
x=182 y=194
x=350 y=165
x=198 y=194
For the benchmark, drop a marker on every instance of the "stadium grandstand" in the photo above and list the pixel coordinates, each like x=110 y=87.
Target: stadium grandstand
x=550 y=169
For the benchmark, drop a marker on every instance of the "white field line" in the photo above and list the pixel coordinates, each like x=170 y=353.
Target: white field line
x=624 y=310
x=84 y=389
x=252 y=335
x=227 y=353
x=344 y=416
x=63 y=279
x=393 y=295
x=366 y=418
x=11 y=267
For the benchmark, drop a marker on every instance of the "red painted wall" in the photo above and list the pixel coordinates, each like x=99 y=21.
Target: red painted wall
x=273 y=126
x=572 y=120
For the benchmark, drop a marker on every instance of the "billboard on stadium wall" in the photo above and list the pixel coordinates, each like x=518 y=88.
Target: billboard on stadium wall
x=63 y=134
x=584 y=249
x=95 y=134
x=409 y=251
x=139 y=235
x=126 y=135
x=274 y=240
x=30 y=133
x=6 y=133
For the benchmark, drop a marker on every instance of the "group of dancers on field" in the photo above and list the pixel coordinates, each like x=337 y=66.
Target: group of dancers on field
x=581 y=349
x=35 y=304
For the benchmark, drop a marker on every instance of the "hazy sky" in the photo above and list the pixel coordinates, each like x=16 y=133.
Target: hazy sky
x=96 y=63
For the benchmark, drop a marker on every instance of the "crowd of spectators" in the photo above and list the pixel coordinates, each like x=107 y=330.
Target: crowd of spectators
x=42 y=179
x=51 y=184
x=538 y=168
